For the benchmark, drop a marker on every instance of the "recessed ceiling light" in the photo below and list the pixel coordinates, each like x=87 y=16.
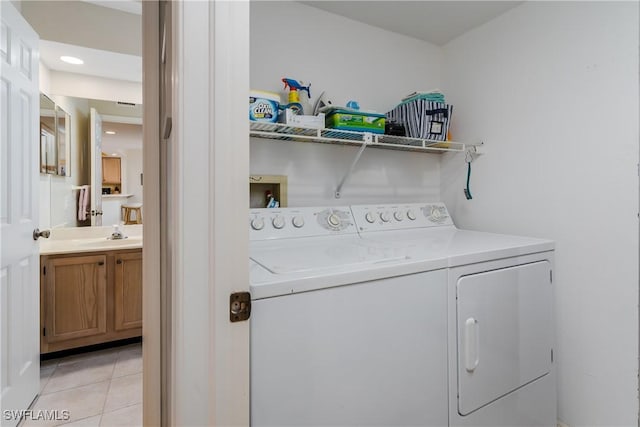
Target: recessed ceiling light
x=114 y=154
x=72 y=60
x=110 y=132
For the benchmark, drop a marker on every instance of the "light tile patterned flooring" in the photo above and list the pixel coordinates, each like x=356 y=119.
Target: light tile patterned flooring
x=100 y=388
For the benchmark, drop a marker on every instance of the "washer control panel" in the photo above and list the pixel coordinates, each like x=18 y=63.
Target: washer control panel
x=282 y=223
x=400 y=216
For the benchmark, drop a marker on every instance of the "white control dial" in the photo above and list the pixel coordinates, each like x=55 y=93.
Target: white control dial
x=257 y=223
x=369 y=217
x=298 y=221
x=278 y=222
x=384 y=216
x=397 y=215
x=333 y=220
x=411 y=215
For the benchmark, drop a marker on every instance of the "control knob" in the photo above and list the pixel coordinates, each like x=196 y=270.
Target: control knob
x=257 y=223
x=298 y=221
x=397 y=215
x=384 y=216
x=411 y=215
x=369 y=217
x=278 y=222
x=333 y=220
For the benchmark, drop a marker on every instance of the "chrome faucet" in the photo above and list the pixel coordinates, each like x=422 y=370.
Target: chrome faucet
x=117 y=234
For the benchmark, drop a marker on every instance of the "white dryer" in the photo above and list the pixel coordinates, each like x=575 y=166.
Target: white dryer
x=500 y=316
x=343 y=332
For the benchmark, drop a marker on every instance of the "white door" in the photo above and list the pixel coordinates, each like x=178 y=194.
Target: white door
x=95 y=139
x=19 y=252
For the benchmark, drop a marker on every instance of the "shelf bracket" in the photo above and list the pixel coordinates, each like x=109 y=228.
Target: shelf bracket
x=367 y=139
x=472 y=151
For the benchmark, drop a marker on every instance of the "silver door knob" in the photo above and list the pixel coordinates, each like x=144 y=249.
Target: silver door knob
x=44 y=233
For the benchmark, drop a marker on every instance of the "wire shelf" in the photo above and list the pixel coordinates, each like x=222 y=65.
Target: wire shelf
x=282 y=132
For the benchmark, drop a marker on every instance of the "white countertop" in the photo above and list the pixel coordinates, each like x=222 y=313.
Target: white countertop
x=116 y=196
x=90 y=239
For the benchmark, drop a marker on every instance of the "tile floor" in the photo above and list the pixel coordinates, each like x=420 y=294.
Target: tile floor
x=100 y=388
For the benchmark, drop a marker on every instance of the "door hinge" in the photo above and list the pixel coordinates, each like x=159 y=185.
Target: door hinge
x=551 y=276
x=44 y=332
x=551 y=355
x=239 y=306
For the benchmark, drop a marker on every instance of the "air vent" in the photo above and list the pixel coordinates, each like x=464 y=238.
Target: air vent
x=126 y=104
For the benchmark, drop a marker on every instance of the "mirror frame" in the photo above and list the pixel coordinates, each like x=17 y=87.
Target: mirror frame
x=55 y=140
x=63 y=142
x=48 y=145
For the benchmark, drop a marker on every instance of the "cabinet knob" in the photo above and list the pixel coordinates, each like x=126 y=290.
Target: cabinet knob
x=100 y=262
x=119 y=261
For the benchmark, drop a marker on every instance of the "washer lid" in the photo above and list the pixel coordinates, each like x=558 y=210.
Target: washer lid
x=283 y=267
x=314 y=255
x=460 y=247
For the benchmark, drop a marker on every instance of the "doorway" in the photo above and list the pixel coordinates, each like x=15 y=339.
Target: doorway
x=91 y=367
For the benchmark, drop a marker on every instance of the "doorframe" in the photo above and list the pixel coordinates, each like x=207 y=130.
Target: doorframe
x=151 y=308
x=205 y=359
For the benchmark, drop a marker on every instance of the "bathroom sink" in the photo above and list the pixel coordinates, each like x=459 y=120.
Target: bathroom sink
x=103 y=242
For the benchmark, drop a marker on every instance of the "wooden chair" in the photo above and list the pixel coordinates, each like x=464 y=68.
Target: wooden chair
x=132 y=213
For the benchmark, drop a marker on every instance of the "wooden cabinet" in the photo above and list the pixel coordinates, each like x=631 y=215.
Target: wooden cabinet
x=128 y=291
x=76 y=298
x=111 y=170
x=90 y=298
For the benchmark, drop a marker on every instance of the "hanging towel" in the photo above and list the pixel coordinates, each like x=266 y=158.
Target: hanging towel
x=83 y=202
x=80 y=199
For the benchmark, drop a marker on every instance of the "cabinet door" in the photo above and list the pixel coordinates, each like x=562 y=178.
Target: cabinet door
x=111 y=170
x=75 y=297
x=128 y=291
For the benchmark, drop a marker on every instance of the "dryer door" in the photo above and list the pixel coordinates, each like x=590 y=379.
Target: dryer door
x=504 y=332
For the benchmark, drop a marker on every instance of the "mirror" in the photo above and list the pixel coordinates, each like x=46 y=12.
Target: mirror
x=55 y=146
x=117 y=184
x=48 y=151
x=63 y=142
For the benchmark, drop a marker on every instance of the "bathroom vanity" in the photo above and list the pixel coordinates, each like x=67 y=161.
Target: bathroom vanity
x=90 y=290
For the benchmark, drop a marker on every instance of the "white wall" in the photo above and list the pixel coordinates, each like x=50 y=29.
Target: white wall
x=132 y=175
x=63 y=197
x=58 y=199
x=552 y=88
x=92 y=87
x=349 y=60
x=127 y=144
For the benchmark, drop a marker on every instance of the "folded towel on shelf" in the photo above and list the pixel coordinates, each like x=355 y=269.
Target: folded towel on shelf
x=430 y=97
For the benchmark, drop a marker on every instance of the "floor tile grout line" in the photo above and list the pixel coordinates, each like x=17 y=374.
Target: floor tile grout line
x=79 y=419
x=71 y=388
x=56 y=365
x=108 y=388
x=121 y=408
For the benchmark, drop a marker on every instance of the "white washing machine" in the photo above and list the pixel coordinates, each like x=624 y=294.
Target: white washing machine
x=500 y=316
x=344 y=332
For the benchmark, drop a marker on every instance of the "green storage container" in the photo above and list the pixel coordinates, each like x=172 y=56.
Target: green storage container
x=355 y=121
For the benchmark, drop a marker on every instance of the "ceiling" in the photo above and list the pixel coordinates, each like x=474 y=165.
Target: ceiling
x=107 y=35
x=97 y=62
x=437 y=22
